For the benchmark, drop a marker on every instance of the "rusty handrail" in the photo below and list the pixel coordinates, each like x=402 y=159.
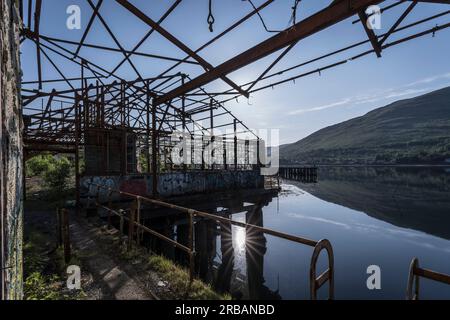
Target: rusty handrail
x=286 y=236
x=415 y=272
x=141 y=226
x=315 y=282
x=328 y=275
x=190 y=251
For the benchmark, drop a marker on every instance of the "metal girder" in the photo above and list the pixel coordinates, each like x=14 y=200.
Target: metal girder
x=323 y=19
x=270 y=67
x=142 y=16
x=397 y=23
x=100 y=47
x=111 y=33
x=148 y=34
x=56 y=126
x=88 y=28
x=370 y=33
x=220 y=35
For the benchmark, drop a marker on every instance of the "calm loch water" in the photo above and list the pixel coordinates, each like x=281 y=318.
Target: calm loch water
x=372 y=216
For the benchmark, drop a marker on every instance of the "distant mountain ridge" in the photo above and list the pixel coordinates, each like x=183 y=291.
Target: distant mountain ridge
x=411 y=131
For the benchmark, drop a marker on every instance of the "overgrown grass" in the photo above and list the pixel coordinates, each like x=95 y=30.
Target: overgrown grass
x=177 y=278
x=44 y=270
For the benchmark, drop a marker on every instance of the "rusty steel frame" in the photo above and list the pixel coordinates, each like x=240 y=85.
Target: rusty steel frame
x=156 y=106
x=335 y=12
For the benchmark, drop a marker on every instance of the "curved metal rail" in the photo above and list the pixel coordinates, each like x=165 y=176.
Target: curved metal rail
x=328 y=275
x=415 y=272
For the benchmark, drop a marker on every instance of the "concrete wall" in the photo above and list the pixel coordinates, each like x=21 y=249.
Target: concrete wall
x=176 y=183
x=11 y=172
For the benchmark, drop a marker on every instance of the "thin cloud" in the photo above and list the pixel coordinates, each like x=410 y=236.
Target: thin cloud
x=402 y=91
x=429 y=79
x=319 y=219
x=323 y=107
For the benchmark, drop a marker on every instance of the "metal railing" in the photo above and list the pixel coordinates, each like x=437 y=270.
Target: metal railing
x=316 y=282
x=415 y=272
x=63 y=233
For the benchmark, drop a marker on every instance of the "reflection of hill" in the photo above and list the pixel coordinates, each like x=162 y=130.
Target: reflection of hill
x=411 y=198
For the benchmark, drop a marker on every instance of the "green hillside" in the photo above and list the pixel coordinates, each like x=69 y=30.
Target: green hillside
x=411 y=131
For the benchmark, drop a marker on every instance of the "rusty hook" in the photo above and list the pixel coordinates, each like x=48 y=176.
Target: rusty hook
x=211 y=20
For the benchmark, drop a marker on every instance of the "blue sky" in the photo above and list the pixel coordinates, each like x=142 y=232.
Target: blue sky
x=297 y=109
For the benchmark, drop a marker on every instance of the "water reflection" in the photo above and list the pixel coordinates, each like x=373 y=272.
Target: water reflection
x=383 y=216
x=227 y=256
x=415 y=198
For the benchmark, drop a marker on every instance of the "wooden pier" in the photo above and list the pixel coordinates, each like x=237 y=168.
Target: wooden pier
x=302 y=174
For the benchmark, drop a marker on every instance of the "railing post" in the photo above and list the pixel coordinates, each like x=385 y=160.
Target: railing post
x=131 y=227
x=413 y=281
x=110 y=207
x=328 y=275
x=121 y=223
x=58 y=227
x=66 y=235
x=138 y=220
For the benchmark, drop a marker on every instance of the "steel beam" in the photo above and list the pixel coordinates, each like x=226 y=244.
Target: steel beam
x=223 y=33
x=146 y=19
x=323 y=19
x=370 y=33
x=148 y=34
x=88 y=28
x=108 y=29
x=397 y=23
